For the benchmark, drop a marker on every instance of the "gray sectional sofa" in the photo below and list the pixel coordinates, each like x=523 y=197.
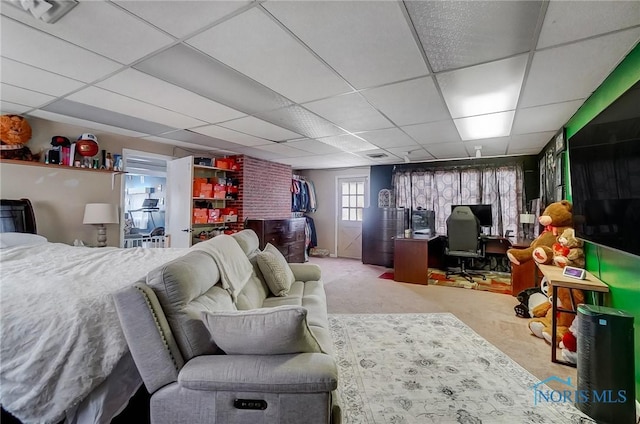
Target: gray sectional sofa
x=178 y=319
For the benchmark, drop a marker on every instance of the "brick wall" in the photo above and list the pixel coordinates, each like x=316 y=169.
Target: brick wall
x=265 y=190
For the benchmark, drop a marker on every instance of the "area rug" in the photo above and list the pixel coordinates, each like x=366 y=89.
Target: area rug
x=496 y=282
x=432 y=368
x=386 y=275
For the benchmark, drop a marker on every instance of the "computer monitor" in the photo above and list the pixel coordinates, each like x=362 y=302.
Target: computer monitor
x=482 y=212
x=422 y=220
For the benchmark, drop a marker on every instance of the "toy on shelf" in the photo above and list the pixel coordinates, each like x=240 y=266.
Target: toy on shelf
x=15 y=132
x=571 y=252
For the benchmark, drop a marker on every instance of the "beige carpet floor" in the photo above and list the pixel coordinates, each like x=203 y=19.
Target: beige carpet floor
x=354 y=288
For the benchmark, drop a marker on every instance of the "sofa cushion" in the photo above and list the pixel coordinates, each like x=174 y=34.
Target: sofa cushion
x=185 y=287
x=275 y=270
x=248 y=241
x=266 y=331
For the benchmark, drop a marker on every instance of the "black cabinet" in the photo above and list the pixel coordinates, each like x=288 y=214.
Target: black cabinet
x=379 y=228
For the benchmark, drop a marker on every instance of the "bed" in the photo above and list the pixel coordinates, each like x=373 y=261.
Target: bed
x=64 y=356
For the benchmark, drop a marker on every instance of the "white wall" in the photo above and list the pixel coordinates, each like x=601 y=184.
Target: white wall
x=58 y=194
x=324 y=218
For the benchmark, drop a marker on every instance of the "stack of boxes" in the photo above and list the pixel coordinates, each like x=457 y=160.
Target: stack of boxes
x=213 y=189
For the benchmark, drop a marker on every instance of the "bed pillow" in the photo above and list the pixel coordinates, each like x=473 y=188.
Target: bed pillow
x=266 y=331
x=20 y=239
x=275 y=269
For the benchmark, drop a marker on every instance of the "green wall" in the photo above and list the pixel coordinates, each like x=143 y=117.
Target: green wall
x=619 y=270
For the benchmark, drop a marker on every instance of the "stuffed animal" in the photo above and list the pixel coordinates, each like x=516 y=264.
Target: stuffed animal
x=571 y=252
x=569 y=343
x=530 y=299
x=540 y=326
x=15 y=132
x=556 y=218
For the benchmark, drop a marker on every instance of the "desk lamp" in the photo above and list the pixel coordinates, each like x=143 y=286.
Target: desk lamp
x=100 y=214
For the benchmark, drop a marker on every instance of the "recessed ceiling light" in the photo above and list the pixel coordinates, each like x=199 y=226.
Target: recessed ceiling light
x=485 y=126
x=49 y=11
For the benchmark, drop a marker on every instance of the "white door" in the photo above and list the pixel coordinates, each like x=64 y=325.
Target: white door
x=351 y=202
x=179 y=201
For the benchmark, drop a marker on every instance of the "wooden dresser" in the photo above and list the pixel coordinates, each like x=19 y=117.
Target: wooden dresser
x=286 y=234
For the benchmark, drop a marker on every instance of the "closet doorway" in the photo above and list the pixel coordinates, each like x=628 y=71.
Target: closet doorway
x=144 y=198
x=352 y=198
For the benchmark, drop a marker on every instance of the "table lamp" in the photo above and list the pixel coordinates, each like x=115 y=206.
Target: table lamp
x=100 y=214
x=526 y=219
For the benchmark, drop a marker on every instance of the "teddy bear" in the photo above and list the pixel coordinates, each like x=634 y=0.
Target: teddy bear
x=556 y=218
x=15 y=132
x=531 y=298
x=540 y=326
x=571 y=252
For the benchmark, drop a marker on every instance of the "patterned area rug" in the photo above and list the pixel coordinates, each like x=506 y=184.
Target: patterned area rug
x=432 y=368
x=496 y=282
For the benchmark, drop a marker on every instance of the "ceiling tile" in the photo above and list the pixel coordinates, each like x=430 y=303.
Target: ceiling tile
x=347 y=143
x=529 y=143
x=282 y=150
x=414 y=154
x=196 y=72
x=433 y=132
x=260 y=154
x=301 y=121
x=312 y=146
x=571 y=77
x=447 y=150
x=140 y=86
x=178 y=143
x=488 y=88
x=253 y=44
x=455 y=34
x=368 y=42
x=544 y=118
x=351 y=112
x=489 y=146
x=260 y=128
x=12 y=108
x=567 y=21
x=89 y=123
x=100 y=27
x=313 y=162
x=104 y=99
x=390 y=137
x=23 y=96
x=21 y=75
x=201 y=139
x=485 y=126
x=409 y=102
x=52 y=54
x=181 y=18
x=233 y=136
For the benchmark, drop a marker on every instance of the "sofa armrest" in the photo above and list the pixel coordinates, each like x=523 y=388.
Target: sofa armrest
x=296 y=373
x=306 y=272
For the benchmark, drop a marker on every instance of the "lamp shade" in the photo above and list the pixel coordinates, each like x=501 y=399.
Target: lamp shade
x=527 y=218
x=101 y=213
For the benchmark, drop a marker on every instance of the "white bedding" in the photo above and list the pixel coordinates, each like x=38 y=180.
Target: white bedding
x=59 y=330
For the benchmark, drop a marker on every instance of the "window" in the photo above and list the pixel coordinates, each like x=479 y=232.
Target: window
x=352 y=193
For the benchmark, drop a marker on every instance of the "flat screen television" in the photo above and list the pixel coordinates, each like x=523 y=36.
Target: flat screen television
x=482 y=212
x=604 y=162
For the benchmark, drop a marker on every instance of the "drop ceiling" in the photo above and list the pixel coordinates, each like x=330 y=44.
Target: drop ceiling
x=318 y=84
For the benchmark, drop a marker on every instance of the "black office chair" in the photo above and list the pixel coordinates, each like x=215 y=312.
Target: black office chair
x=463 y=240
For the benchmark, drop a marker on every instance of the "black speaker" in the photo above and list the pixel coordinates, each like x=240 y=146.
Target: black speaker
x=606 y=377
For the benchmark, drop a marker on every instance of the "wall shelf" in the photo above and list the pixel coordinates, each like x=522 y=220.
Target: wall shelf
x=55 y=166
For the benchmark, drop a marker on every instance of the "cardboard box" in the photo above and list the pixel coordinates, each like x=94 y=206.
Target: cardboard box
x=215 y=216
x=206 y=190
x=197 y=185
x=230 y=214
x=222 y=163
x=219 y=191
x=200 y=216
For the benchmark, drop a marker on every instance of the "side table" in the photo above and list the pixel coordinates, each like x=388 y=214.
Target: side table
x=557 y=280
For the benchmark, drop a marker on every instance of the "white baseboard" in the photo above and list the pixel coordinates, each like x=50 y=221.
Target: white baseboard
x=637 y=412
x=333 y=255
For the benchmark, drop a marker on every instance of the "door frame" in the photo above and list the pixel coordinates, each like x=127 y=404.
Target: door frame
x=337 y=214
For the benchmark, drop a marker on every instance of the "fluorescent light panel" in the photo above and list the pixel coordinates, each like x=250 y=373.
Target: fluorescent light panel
x=485 y=126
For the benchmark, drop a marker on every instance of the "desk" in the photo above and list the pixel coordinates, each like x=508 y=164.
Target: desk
x=413 y=255
x=556 y=279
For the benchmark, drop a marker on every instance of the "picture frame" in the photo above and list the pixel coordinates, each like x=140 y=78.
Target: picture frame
x=560 y=141
x=559 y=171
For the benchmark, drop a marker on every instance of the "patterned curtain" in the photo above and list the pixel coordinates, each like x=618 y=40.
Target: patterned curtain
x=439 y=189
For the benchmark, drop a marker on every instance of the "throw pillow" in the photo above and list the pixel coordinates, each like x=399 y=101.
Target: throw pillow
x=275 y=269
x=266 y=331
